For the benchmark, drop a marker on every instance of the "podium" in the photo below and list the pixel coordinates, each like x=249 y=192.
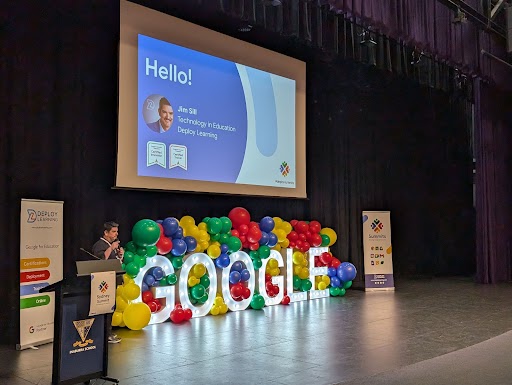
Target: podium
x=80 y=345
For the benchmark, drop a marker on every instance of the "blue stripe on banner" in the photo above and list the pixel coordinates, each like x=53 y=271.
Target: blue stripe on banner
x=32 y=289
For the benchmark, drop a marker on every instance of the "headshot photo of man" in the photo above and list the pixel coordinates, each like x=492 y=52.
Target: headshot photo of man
x=166 y=114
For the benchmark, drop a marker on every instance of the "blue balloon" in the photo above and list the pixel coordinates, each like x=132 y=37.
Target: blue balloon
x=331 y=272
x=224 y=260
x=170 y=226
x=149 y=279
x=218 y=263
x=264 y=238
x=224 y=248
x=178 y=234
x=237 y=266
x=335 y=282
x=144 y=287
x=245 y=275
x=158 y=273
x=191 y=243
x=179 y=247
x=267 y=224
x=234 y=277
x=156 y=283
x=346 y=272
x=272 y=240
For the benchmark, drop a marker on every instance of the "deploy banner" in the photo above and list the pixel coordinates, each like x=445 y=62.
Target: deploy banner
x=378 y=261
x=103 y=292
x=41 y=239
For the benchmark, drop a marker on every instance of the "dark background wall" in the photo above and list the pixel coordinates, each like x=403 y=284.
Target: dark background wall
x=374 y=142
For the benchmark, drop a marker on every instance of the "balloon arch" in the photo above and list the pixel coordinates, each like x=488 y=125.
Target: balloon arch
x=177 y=270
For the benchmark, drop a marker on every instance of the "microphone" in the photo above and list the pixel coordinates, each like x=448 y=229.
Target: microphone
x=91 y=254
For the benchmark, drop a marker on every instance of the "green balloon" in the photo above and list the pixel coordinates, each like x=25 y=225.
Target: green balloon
x=206 y=220
x=346 y=285
x=253 y=254
x=325 y=240
x=132 y=269
x=214 y=226
x=296 y=282
x=177 y=262
x=123 y=266
x=151 y=251
x=145 y=233
x=264 y=252
x=224 y=238
x=215 y=237
x=128 y=257
x=172 y=279
x=140 y=261
x=130 y=246
x=203 y=299
x=306 y=285
x=234 y=244
x=334 y=291
x=197 y=291
x=226 y=225
x=193 y=301
x=342 y=292
x=205 y=281
x=257 y=263
x=142 y=251
x=257 y=302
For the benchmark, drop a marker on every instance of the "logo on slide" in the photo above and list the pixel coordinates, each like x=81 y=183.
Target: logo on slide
x=377 y=226
x=103 y=286
x=284 y=168
x=32 y=216
x=83 y=327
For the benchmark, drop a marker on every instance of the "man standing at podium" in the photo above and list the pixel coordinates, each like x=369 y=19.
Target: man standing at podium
x=107 y=247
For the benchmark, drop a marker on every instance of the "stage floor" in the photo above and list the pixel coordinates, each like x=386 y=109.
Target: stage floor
x=362 y=338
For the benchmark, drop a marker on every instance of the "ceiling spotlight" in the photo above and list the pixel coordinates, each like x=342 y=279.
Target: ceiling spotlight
x=245 y=28
x=366 y=39
x=460 y=17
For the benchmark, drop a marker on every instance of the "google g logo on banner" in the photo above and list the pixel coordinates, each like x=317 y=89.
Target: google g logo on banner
x=32 y=216
x=31 y=330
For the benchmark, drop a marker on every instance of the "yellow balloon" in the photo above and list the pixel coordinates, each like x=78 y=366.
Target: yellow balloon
x=202 y=226
x=122 y=324
x=318 y=279
x=117 y=318
x=304 y=273
x=285 y=243
x=272 y=263
x=218 y=301
x=203 y=236
x=213 y=251
x=223 y=308
x=193 y=231
x=287 y=227
x=119 y=290
x=297 y=269
x=202 y=246
x=275 y=271
x=326 y=279
x=199 y=270
x=131 y=291
x=127 y=279
x=121 y=304
x=192 y=281
x=187 y=221
x=331 y=234
x=277 y=247
x=137 y=315
x=297 y=258
x=304 y=261
x=322 y=286
x=277 y=221
x=280 y=234
x=215 y=310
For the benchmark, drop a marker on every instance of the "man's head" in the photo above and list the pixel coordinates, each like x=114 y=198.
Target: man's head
x=166 y=113
x=110 y=231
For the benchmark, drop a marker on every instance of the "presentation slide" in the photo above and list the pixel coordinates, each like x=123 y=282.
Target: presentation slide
x=204 y=118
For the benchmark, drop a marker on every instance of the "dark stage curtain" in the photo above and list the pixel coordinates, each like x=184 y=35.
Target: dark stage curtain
x=373 y=142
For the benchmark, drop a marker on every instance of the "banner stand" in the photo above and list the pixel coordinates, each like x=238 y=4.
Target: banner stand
x=378 y=257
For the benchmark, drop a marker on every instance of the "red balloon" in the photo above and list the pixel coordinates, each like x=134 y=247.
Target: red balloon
x=235 y=233
x=305 y=247
x=254 y=246
x=253 y=224
x=292 y=244
x=325 y=258
x=147 y=296
x=302 y=237
x=269 y=287
x=286 y=300
x=158 y=304
x=316 y=240
x=335 y=262
x=308 y=235
x=246 y=293
x=245 y=245
x=243 y=229
x=178 y=306
x=254 y=234
x=268 y=277
x=239 y=216
x=177 y=316
x=242 y=238
x=293 y=236
x=236 y=291
x=299 y=244
x=164 y=245
x=276 y=290
x=152 y=306
x=294 y=222
x=161 y=229
x=301 y=227
x=315 y=227
x=187 y=313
